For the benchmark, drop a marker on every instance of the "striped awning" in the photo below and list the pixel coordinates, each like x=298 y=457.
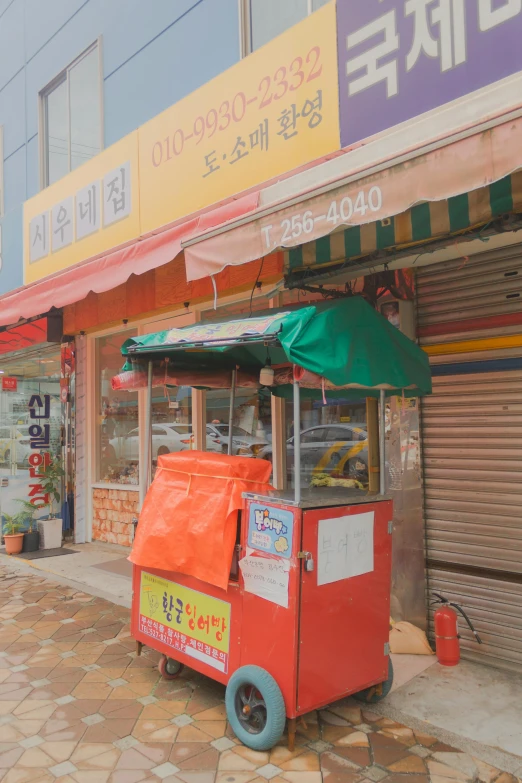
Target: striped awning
x=440 y=192
x=420 y=224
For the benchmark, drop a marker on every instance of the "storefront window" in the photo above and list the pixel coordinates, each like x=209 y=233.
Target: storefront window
x=30 y=420
x=118 y=441
x=334 y=444
x=252 y=430
x=171 y=421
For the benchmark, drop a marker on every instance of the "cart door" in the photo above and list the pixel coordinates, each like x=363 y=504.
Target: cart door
x=345 y=602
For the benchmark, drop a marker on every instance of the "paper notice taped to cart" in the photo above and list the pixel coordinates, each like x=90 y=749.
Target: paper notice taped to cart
x=267 y=578
x=345 y=547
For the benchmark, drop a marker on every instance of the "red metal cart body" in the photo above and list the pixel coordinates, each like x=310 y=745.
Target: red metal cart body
x=309 y=603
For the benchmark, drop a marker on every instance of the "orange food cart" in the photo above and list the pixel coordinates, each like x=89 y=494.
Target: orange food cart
x=281 y=595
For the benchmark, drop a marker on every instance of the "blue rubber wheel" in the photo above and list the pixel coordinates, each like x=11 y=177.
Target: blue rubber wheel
x=377 y=692
x=255 y=708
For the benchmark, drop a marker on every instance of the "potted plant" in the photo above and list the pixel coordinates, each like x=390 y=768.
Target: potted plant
x=13 y=538
x=31 y=535
x=50 y=529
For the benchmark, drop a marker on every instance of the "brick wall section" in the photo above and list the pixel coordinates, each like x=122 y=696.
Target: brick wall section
x=113 y=512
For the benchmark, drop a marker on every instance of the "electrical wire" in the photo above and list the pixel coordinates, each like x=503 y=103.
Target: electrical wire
x=255 y=285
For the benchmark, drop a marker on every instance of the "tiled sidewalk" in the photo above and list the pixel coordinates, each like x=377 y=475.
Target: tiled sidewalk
x=77 y=706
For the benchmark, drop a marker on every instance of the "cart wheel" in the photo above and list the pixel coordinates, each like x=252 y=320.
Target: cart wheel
x=169 y=668
x=377 y=692
x=255 y=708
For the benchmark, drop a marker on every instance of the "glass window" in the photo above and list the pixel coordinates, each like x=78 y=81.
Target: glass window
x=334 y=453
x=270 y=18
x=251 y=430
x=1 y=181
x=118 y=438
x=57 y=135
x=72 y=117
x=172 y=421
x=317 y=435
x=85 y=108
x=340 y=433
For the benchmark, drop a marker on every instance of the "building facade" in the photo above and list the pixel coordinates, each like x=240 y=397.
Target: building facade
x=216 y=159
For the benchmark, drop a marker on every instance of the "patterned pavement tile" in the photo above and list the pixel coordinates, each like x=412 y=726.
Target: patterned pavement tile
x=78 y=706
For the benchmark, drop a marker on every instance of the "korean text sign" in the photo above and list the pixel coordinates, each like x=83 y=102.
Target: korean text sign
x=345 y=547
x=401 y=58
x=90 y=211
x=187 y=620
x=270 y=113
x=270 y=529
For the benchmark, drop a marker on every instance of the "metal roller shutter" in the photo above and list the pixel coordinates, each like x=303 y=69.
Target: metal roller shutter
x=465 y=291
x=472 y=456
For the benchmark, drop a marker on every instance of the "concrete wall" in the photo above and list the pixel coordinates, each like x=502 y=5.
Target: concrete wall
x=154 y=53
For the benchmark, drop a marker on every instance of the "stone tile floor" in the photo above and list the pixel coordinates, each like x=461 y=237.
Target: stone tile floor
x=78 y=706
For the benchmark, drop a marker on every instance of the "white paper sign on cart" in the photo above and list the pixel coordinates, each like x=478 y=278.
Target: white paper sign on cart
x=266 y=577
x=345 y=547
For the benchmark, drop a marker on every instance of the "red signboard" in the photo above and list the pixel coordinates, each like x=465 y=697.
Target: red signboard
x=9 y=384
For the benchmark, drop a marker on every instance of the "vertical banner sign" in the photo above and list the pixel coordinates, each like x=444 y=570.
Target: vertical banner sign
x=40 y=441
x=401 y=58
x=272 y=112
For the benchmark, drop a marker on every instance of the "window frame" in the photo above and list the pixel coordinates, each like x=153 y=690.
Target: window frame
x=2 y=198
x=245 y=26
x=60 y=78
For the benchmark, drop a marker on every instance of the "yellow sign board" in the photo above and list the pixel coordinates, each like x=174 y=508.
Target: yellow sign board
x=90 y=211
x=270 y=113
x=186 y=620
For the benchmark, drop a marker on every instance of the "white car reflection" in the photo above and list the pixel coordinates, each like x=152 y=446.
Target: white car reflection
x=243 y=444
x=166 y=438
x=15 y=444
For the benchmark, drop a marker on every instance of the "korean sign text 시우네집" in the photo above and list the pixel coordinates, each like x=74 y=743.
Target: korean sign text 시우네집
x=101 y=202
x=91 y=210
x=401 y=58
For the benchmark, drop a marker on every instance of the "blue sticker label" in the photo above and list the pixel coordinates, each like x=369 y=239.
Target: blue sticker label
x=270 y=529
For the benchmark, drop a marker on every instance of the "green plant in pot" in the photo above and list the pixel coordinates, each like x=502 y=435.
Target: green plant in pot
x=51 y=480
x=13 y=534
x=31 y=535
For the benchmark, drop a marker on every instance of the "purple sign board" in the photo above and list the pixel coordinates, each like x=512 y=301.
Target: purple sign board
x=401 y=58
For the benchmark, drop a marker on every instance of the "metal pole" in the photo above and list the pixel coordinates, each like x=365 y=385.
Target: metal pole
x=148 y=430
x=382 y=443
x=297 y=443
x=231 y=412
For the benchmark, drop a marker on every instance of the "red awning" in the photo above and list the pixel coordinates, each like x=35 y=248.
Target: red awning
x=23 y=336
x=113 y=269
x=361 y=198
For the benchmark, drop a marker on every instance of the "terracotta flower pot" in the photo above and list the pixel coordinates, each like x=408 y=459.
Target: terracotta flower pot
x=14 y=543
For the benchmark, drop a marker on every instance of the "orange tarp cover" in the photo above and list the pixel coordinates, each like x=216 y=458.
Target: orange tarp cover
x=188 y=521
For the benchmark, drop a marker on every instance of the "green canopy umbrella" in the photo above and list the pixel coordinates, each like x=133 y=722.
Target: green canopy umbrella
x=346 y=342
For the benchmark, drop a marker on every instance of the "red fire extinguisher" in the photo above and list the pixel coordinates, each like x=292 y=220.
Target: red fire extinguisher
x=446 y=631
